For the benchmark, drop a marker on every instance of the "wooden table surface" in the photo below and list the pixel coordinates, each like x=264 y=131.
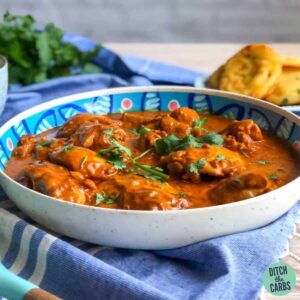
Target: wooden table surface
x=207 y=57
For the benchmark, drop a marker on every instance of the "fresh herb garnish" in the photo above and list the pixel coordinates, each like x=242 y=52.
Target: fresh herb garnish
x=273 y=176
x=114 y=154
x=245 y=154
x=108 y=131
x=151 y=172
x=45 y=144
x=285 y=101
x=84 y=159
x=140 y=130
x=196 y=166
x=262 y=162
x=173 y=143
x=102 y=198
x=36 y=55
x=68 y=148
x=143 y=154
x=198 y=123
x=220 y=157
x=236 y=179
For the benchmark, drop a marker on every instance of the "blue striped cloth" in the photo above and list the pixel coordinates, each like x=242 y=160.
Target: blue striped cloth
x=229 y=267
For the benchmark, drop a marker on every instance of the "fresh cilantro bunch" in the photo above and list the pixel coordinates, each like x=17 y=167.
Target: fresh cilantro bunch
x=35 y=56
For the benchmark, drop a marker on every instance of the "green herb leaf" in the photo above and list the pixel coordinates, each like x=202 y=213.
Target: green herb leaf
x=100 y=197
x=103 y=198
x=152 y=172
x=45 y=144
x=84 y=159
x=212 y=138
x=36 y=55
x=114 y=156
x=172 y=143
x=140 y=131
x=236 y=179
x=111 y=199
x=220 y=157
x=245 y=154
x=273 y=176
x=108 y=131
x=196 y=166
x=262 y=162
x=143 y=154
x=198 y=123
x=285 y=101
x=68 y=148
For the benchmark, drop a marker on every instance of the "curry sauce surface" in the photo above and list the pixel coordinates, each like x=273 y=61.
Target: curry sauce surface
x=69 y=163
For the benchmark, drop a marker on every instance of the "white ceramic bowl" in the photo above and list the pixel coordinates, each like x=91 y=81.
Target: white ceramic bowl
x=3 y=82
x=149 y=229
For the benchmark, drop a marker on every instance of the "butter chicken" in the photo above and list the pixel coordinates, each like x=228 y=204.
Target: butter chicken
x=153 y=160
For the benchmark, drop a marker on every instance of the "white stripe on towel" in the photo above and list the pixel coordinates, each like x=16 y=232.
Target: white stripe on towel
x=8 y=222
x=22 y=256
x=41 y=264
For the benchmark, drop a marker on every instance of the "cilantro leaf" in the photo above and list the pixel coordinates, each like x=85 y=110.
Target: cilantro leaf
x=196 y=166
x=45 y=144
x=211 y=138
x=140 y=130
x=103 y=198
x=273 y=176
x=245 y=154
x=220 y=157
x=100 y=197
x=108 y=131
x=84 y=159
x=68 y=148
x=36 y=55
x=152 y=172
x=284 y=101
x=198 y=123
x=262 y=162
x=172 y=143
x=114 y=156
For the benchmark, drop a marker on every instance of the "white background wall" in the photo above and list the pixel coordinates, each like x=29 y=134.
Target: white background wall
x=169 y=20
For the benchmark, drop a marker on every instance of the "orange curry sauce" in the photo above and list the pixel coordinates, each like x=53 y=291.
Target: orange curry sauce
x=189 y=160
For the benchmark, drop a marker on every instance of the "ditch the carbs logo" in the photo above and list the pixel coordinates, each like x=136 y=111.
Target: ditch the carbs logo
x=279 y=279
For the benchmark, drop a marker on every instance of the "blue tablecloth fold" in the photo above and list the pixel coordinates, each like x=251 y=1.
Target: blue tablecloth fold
x=229 y=267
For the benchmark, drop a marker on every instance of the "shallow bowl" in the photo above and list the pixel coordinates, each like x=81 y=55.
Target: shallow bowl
x=149 y=229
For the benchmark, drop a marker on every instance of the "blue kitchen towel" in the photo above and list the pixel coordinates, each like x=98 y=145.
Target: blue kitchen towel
x=228 y=267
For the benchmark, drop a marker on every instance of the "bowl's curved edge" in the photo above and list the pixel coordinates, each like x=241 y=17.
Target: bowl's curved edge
x=184 y=89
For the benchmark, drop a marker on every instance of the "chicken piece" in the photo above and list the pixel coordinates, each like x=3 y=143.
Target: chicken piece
x=25 y=146
x=44 y=146
x=138 y=193
x=54 y=181
x=185 y=115
x=97 y=136
x=149 y=138
x=242 y=135
x=74 y=123
x=239 y=188
x=84 y=161
x=179 y=122
x=138 y=119
x=190 y=163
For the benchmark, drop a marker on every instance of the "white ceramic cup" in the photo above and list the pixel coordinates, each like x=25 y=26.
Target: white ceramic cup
x=3 y=82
